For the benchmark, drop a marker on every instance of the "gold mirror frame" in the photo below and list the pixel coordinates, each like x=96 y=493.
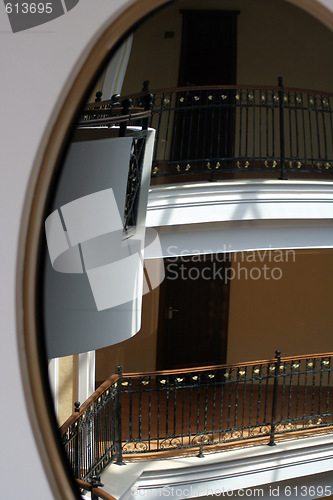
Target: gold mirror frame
x=48 y=158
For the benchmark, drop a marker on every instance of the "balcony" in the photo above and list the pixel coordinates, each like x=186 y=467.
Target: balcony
x=218 y=132
x=199 y=410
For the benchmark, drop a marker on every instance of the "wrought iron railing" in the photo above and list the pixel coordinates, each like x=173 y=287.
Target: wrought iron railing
x=221 y=130
x=231 y=403
x=110 y=114
x=200 y=409
x=92 y=435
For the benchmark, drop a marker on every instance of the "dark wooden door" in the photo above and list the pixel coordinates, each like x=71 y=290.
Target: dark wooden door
x=193 y=319
x=209 y=48
x=208 y=57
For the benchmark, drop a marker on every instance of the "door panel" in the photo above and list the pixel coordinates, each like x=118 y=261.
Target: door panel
x=208 y=57
x=193 y=321
x=209 y=48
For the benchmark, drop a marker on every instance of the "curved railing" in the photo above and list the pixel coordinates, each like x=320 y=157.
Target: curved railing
x=198 y=409
x=94 y=489
x=92 y=434
x=220 y=405
x=213 y=131
x=107 y=114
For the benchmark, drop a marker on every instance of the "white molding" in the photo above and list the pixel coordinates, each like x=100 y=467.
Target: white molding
x=238 y=236
x=203 y=202
x=191 y=477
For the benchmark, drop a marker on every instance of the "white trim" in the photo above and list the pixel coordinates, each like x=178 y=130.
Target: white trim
x=191 y=477
x=239 y=236
x=181 y=204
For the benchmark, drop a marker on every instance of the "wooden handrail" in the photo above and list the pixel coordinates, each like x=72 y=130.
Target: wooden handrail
x=95 y=395
x=97 y=491
x=227 y=87
x=225 y=366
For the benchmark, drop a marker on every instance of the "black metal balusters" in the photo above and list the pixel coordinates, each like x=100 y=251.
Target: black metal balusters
x=134 y=179
x=89 y=435
x=126 y=105
x=275 y=396
x=118 y=423
x=228 y=130
x=282 y=131
x=198 y=409
x=76 y=451
x=148 y=106
x=217 y=131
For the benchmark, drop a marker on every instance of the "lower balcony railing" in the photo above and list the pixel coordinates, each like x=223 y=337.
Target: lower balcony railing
x=200 y=409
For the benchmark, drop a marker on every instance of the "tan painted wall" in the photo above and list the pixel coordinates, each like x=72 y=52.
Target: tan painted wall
x=66 y=388
x=293 y=314
x=274 y=38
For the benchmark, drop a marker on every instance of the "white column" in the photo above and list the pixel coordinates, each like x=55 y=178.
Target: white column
x=115 y=73
x=54 y=381
x=85 y=375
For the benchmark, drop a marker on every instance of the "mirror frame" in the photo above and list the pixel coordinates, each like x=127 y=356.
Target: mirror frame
x=50 y=153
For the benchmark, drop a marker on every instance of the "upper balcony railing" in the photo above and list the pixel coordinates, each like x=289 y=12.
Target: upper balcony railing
x=198 y=409
x=215 y=132
x=109 y=114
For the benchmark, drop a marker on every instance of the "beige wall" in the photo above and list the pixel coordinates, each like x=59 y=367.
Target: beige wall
x=67 y=391
x=274 y=38
x=293 y=314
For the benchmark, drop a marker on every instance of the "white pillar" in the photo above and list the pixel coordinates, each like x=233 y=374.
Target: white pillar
x=85 y=375
x=54 y=381
x=114 y=75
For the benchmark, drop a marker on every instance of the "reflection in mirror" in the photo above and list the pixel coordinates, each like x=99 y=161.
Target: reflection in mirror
x=191 y=97
x=93 y=272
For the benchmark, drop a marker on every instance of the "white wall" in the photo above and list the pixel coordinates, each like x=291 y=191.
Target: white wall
x=38 y=68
